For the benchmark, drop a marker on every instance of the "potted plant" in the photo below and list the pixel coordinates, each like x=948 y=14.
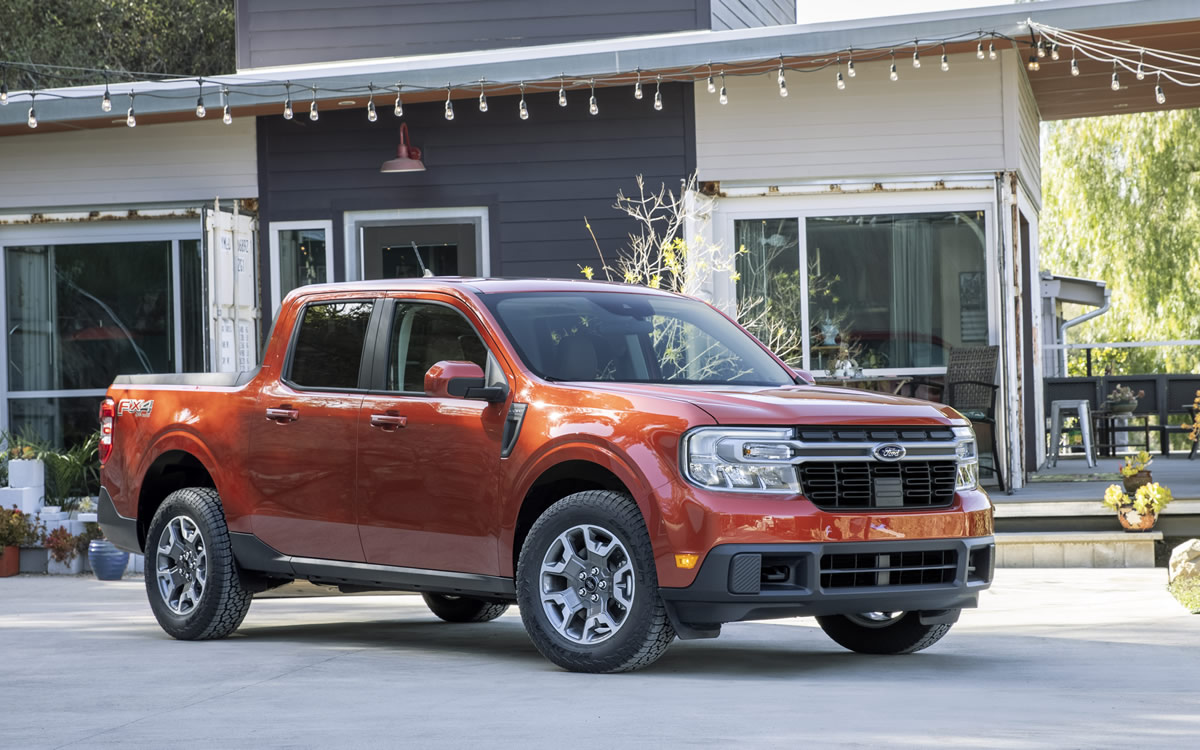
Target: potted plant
x=107 y=562
x=1140 y=512
x=12 y=536
x=64 y=554
x=1123 y=400
x=1134 y=473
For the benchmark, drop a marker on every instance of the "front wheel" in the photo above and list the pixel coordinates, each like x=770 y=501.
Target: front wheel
x=882 y=632
x=587 y=585
x=463 y=608
x=191 y=577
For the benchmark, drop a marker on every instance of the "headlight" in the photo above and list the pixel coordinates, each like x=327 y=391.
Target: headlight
x=740 y=460
x=967 y=455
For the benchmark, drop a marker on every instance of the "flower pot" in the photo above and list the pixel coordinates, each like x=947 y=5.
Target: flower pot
x=10 y=561
x=1123 y=407
x=1137 y=480
x=107 y=561
x=72 y=567
x=1134 y=521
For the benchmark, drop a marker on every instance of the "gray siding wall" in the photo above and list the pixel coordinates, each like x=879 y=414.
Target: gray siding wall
x=745 y=14
x=538 y=178
x=285 y=32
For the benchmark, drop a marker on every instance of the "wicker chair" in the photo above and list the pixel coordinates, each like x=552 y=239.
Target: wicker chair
x=970 y=388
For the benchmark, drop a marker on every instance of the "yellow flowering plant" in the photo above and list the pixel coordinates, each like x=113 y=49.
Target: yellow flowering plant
x=1134 y=465
x=1149 y=498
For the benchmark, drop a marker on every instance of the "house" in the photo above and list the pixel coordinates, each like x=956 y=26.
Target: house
x=892 y=162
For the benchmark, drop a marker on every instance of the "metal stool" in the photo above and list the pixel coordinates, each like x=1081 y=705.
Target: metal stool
x=1083 y=411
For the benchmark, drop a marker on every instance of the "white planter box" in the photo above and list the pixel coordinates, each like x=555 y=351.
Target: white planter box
x=27 y=473
x=33 y=559
x=73 y=568
x=27 y=499
x=137 y=564
x=89 y=517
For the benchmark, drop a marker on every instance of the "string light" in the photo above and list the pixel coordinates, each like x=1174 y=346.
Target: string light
x=287 y=103
x=841 y=82
x=945 y=60
x=482 y=98
x=201 y=112
x=372 y=115
x=398 y=108
x=1159 y=96
x=712 y=85
x=1116 y=80
x=449 y=106
x=916 y=55
x=782 y=79
x=724 y=97
x=1074 y=64
x=130 y=117
x=979 y=49
x=226 y=114
x=992 y=51
x=1054 y=51
x=850 y=66
x=892 y=72
x=4 y=89
x=592 y=106
x=106 y=100
x=1141 y=73
x=1034 y=65
x=522 y=110
x=562 y=93
x=31 y=118
x=1041 y=48
x=658 y=95
x=312 y=108
x=637 y=87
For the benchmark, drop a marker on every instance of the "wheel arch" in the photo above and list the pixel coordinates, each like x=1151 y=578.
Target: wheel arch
x=171 y=470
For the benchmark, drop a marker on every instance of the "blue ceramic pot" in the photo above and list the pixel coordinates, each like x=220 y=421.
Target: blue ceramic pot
x=107 y=561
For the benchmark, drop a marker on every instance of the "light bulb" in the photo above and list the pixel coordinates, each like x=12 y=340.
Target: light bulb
x=893 y=74
x=482 y=102
x=916 y=58
x=130 y=117
x=945 y=62
x=398 y=108
x=287 y=108
x=227 y=116
x=4 y=94
x=979 y=50
x=1041 y=48
x=782 y=82
x=449 y=108
x=313 y=114
x=1141 y=73
x=372 y=115
x=1116 y=82
x=1034 y=65
x=841 y=82
x=1159 y=96
x=724 y=97
x=991 y=50
x=201 y=112
x=637 y=90
x=592 y=106
x=523 y=110
x=562 y=94
x=1074 y=67
x=1054 y=51
x=850 y=69
x=32 y=119
x=106 y=101
x=658 y=100
x=712 y=85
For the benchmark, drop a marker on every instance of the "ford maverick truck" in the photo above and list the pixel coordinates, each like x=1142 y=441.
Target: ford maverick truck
x=625 y=464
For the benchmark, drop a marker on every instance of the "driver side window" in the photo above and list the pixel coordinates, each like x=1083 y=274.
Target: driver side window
x=424 y=334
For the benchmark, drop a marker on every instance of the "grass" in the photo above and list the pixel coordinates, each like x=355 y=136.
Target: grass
x=1187 y=591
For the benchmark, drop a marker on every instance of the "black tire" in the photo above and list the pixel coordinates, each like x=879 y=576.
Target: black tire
x=903 y=635
x=463 y=608
x=223 y=601
x=644 y=632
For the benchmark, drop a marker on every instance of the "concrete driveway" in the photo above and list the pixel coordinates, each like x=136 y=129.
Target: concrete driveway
x=1053 y=658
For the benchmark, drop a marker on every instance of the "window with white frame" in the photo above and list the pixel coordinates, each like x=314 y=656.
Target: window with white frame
x=301 y=254
x=877 y=291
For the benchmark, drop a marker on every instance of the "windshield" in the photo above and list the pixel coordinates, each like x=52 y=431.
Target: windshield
x=631 y=338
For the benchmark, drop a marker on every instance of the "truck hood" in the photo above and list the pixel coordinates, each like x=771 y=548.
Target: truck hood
x=791 y=405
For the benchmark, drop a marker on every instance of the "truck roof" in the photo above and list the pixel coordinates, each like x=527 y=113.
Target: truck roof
x=479 y=285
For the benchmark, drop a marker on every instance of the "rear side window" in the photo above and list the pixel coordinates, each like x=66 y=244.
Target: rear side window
x=329 y=345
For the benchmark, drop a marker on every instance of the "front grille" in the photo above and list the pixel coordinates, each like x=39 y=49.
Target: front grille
x=856 y=570
x=873 y=434
x=850 y=485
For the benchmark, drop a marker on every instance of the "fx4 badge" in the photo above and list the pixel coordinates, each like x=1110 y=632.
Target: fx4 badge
x=135 y=406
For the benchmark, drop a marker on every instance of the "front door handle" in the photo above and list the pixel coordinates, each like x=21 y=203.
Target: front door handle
x=389 y=421
x=283 y=414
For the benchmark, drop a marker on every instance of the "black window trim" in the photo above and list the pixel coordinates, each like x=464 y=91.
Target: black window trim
x=365 y=359
x=376 y=385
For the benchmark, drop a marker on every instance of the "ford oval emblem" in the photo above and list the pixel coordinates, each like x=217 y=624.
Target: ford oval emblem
x=889 y=452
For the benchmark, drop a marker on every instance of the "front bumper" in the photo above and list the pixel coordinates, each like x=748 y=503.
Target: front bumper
x=764 y=581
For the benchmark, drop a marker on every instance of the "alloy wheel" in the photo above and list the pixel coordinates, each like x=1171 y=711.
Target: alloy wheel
x=181 y=565
x=587 y=584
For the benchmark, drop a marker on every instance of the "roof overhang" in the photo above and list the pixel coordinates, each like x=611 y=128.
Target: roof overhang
x=1168 y=23
x=1073 y=289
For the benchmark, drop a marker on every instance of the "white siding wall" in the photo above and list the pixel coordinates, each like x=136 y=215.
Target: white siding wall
x=119 y=166
x=1029 y=161
x=929 y=122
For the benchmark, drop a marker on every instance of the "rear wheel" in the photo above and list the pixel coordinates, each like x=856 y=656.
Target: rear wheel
x=463 y=608
x=882 y=632
x=587 y=585
x=192 y=579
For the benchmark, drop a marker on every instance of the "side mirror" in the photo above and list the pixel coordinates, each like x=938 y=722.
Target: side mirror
x=804 y=375
x=461 y=380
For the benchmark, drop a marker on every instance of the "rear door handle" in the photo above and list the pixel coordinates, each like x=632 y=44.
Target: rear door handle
x=388 y=421
x=283 y=415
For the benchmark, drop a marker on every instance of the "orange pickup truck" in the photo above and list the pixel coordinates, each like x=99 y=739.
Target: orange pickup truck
x=626 y=464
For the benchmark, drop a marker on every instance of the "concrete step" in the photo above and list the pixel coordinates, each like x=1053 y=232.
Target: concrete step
x=1076 y=549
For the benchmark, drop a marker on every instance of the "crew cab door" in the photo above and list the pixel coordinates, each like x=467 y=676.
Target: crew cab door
x=302 y=443
x=427 y=467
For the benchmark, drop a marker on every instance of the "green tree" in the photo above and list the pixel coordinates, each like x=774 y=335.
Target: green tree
x=180 y=37
x=1122 y=204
